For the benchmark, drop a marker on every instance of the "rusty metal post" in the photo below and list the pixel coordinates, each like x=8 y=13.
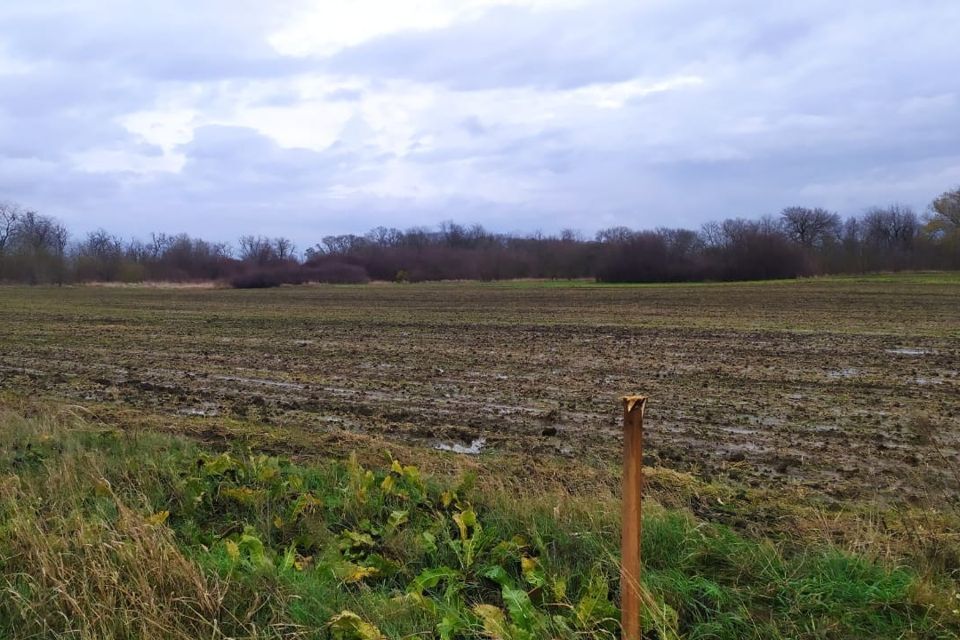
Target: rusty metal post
x=631 y=525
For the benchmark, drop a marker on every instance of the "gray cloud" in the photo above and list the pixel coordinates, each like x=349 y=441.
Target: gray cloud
x=614 y=112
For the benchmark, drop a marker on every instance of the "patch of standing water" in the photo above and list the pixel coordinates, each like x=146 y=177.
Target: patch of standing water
x=473 y=450
x=260 y=381
x=908 y=351
x=205 y=411
x=848 y=372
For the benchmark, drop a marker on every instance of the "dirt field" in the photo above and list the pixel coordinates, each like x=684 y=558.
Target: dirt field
x=847 y=387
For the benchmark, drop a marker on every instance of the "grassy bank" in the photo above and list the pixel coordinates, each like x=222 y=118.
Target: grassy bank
x=112 y=534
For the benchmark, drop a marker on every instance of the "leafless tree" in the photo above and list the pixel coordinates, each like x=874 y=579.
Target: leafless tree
x=711 y=234
x=257 y=250
x=263 y=251
x=159 y=243
x=892 y=227
x=9 y=218
x=810 y=227
x=101 y=244
x=615 y=234
x=41 y=234
x=284 y=249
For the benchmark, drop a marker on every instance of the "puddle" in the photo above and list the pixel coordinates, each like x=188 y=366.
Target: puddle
x=928 y=381
x=848 y=372
x=473 y=450
x=741 y=431
x=204 y=412
x=260 y=381
x=908 y=351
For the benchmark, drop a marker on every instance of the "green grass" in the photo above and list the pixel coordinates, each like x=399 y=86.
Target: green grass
x=904 y=278
x=111 y=534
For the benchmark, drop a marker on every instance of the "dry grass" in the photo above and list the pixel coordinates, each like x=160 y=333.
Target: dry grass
x=79 y=562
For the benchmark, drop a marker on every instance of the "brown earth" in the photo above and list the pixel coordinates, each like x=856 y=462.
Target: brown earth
x=843 y=387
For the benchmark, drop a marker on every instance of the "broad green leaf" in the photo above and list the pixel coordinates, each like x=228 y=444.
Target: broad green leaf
x=522 y=612
x=498 y=574
x=594 y=605
x=289 y=560
x=218 y=465
x=397 y=519
x=429 y=542
x=451 y=625
x=430 y=578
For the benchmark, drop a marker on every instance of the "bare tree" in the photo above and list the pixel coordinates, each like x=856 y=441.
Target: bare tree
x=159 y=243
x=102 y=245
x=615 y=234
x=9 y=218
x=810 y=227
x=284 y=249
x=257 y=250
x=711 y=234
x=342 y=245
x=892 y=227
x=41 y=234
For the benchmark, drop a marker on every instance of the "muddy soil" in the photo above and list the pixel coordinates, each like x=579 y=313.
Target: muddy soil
x=849 y=388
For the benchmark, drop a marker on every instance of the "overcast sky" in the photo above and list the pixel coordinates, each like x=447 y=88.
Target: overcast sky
x=309 y=118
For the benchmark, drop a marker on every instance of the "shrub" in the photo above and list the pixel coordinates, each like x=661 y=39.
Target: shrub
x=330 y=272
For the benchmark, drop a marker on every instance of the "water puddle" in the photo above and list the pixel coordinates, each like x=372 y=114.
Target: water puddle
x=203 y=412
x=908 y=351
x=260 y=381
x=473 y=450
x=847 y=372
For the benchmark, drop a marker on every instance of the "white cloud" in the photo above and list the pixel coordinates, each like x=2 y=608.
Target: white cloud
x=324 y=27
x=521 y=114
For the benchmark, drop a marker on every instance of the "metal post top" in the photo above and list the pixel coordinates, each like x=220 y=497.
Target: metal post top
x=633 y=402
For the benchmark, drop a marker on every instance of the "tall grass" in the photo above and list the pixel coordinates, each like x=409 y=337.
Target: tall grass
x=106 y=534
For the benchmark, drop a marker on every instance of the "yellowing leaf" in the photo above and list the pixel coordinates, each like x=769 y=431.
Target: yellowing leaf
x=347 y=625
x=242 y=495
x=559 y=588
x=158 y=518
x=102 y=488
x=305 y=503
x=388 y=484
x=494 y=621
x=532 y=571
x=528 y=564
x=467 y=523
x=358 y=573
x=233 y=550
x=352 y=573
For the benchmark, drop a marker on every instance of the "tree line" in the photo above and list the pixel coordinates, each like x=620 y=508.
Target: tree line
x=799 y=241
